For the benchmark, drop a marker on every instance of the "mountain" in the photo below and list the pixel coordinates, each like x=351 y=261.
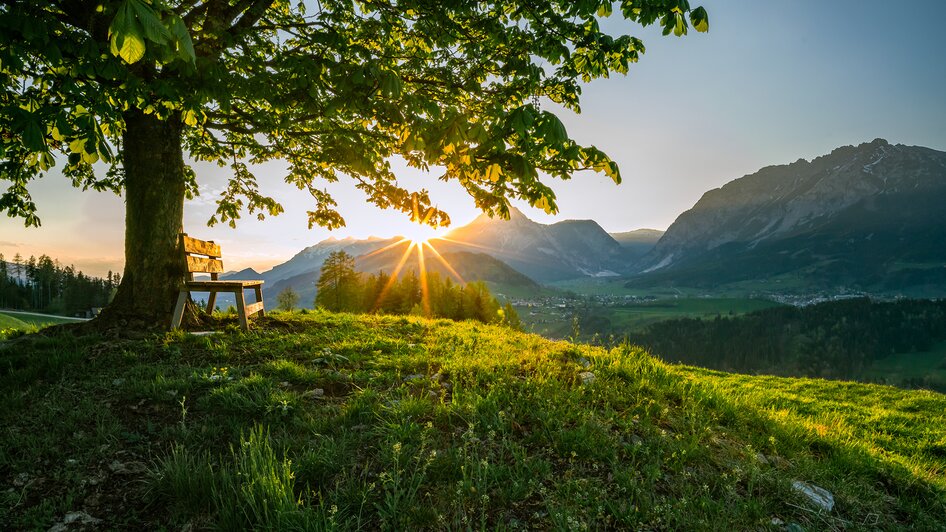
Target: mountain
x=246 y=274
x=638 y=242
x=311 y=258
x=868 y=217
x=565 y=250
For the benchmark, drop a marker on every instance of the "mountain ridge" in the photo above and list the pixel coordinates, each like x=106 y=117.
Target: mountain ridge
x=851 y=217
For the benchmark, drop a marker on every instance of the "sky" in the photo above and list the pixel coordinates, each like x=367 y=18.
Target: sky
x=770 y=83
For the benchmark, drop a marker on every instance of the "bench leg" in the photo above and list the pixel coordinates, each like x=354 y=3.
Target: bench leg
x=241 y=309
x=259 y=299
x=179 y=309
x=211 y=300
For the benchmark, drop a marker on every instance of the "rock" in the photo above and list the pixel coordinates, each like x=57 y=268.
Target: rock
x=437 y=377
x=820 y=497
x=778 y=461
x=317 y=393
x=21 y=480
x=127 y=468
x=413 y=377
x=284 y=384
x=75 y=519
x=761 y=459
x=777 y=522
x=794 y=527
x=584 y=362
x=432 y=394
x=587 y=377
x=118 y=382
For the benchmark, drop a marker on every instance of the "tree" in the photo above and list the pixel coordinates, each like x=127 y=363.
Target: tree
x=335 y=89
x=287 y=299
x=338 y=283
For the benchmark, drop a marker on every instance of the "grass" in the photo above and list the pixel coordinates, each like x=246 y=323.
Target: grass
x=323 y=421
x=35 y=320
x=10 y=322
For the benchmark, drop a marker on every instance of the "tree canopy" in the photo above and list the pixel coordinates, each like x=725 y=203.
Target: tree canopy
x=334 y=88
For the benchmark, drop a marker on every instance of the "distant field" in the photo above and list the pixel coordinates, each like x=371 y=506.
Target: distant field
x=898 y=368
x=16 y=320
x=634 y=317
x=9 y=322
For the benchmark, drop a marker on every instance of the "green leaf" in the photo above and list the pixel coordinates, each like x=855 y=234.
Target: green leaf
x=132 y=48
x=185 y=47
x=700 y=20
x=679 y=27
x=119 y=24
x=154 y=30
x=33 y=136
x=552 y=128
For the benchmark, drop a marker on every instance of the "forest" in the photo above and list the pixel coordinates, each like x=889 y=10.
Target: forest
x=44 y=285
x=838 y=339
x=343 y=289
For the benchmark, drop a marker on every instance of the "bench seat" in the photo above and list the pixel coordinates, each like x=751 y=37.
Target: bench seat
x=199 y=286
x=204 y=257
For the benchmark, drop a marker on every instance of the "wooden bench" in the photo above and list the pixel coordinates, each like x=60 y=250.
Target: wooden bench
x=204 y=257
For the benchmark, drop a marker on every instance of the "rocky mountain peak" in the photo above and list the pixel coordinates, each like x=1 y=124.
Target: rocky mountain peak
x=803 y=198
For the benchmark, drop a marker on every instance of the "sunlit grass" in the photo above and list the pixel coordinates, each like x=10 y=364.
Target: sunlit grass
x=323 y=421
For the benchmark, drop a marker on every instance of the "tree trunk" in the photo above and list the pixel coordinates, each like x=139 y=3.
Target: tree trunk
x=154 y=217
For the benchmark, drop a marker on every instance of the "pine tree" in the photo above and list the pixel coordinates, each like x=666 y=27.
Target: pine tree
x=338 y=283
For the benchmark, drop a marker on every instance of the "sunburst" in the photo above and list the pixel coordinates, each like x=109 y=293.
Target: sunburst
x=419 y=235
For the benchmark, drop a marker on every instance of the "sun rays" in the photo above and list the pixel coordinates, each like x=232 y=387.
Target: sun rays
x=417 y=237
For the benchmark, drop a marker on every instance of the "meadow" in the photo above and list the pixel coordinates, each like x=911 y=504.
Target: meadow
x=30 y=321
x=322 y=421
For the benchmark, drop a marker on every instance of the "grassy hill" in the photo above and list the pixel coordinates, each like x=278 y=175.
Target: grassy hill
x=8 y=321
x=323 y=421
x=21 y=320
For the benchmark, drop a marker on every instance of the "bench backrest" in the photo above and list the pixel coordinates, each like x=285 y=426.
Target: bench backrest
x=201 y=256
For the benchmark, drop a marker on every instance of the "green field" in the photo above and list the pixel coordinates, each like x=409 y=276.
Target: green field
x=334 y=422
x=30 y=322
x=898 y=368
x=634 y=317
x=9 y=322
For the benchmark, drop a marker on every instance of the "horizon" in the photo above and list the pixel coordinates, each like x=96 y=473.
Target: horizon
x=716 y=107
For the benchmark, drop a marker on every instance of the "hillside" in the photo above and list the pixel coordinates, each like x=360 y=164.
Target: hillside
x=867 y=217
x=11 y=322
x=315 y=421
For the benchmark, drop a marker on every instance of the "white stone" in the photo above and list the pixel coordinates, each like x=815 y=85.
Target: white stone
x=821 y=497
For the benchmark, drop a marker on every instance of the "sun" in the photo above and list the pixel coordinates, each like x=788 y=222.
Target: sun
x=420 y=233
